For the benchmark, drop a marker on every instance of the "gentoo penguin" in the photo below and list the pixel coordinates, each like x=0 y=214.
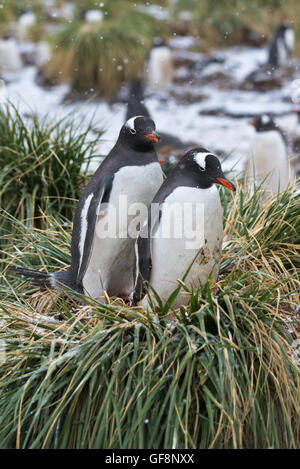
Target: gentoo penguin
x=282 y=45
x=268 y=162
x=183 y=237
x=102 y=249
x=160 y=69
x=169 y=145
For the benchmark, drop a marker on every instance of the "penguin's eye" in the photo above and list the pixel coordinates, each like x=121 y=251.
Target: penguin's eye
x=201 y=169
x=133 y=131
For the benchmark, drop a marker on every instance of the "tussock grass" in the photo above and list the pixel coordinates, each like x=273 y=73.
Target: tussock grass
x=218 y=373
x=98 y=57
x=41 y=165
x=227 y=23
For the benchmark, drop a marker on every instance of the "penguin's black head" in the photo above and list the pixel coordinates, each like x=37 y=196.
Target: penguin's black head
x=263 y=123
x=159 y=42
x=207 y=168
x=139 y=132
x=285 y=26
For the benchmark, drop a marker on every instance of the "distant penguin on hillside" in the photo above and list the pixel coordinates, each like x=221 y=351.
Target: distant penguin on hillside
x=282 y=45
x=182 y=240
x=159 y=68
x=10 y=57
x=103 y=238
x=268 y=161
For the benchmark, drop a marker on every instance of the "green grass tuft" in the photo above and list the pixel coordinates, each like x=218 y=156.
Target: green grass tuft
x=99 y=57
x=41 y=165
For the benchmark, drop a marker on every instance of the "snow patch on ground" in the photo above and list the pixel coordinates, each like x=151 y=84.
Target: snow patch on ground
x=227 y=132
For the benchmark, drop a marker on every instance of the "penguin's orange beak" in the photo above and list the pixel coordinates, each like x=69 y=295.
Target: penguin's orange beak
x=226 y=183
x=153 y=137
x=252 y=122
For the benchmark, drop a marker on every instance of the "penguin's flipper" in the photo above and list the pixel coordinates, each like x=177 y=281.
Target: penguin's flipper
x=144 y=255
x=100 y=196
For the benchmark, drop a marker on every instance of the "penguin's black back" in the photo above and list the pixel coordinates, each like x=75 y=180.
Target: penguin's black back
x=135 y=106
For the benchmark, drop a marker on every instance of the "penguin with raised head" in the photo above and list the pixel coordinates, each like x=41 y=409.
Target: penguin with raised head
x=102 y=249
x=160 y=68
x=282 y=45
x=268 y=162
x=182 y=240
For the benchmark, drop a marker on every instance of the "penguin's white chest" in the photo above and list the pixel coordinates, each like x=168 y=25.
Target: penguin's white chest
x=111 y=262
x=160 y=67
x=132 y=191
x=194 y=239
x=289 y=39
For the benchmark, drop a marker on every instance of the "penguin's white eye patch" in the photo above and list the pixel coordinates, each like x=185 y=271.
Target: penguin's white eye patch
x=200 y=160
x=133 y=131
x=130 y=123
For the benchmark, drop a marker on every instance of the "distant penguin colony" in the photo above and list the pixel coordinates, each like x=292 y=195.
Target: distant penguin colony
x=282 y=45
x=104 y=264
x=268 y=162
x=163 y=260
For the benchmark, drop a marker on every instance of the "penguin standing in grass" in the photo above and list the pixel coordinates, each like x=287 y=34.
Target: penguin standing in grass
x=282 y=45
x=182 y=240
x=268 y=162
x=102 y=259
